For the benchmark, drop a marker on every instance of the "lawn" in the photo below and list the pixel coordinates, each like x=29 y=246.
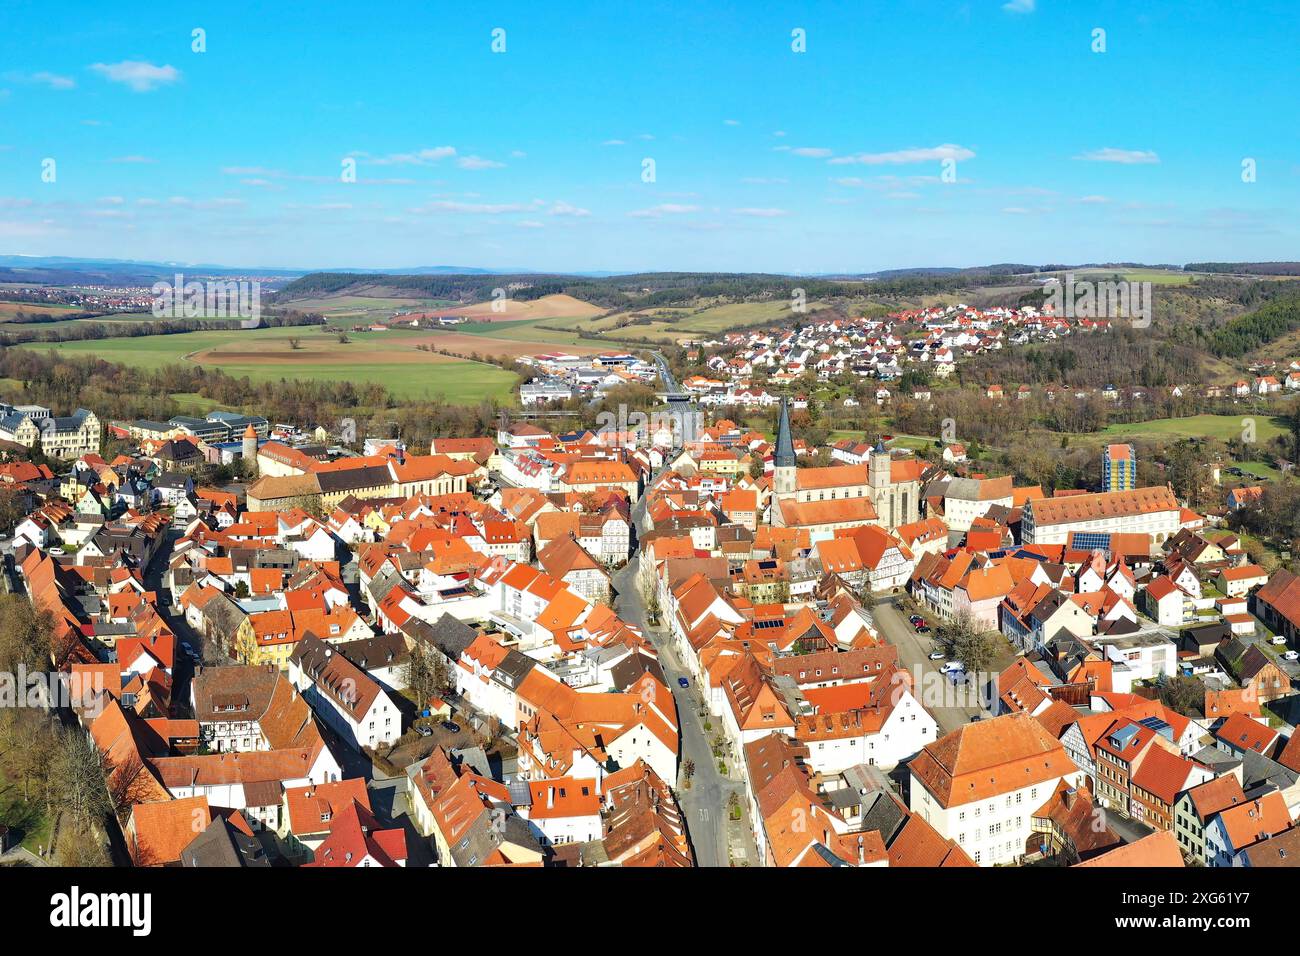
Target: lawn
x=28 y=818
x=1222 y=427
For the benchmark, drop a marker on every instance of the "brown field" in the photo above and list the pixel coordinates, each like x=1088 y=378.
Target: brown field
x=464 y=343
x=10 y=309
x=547 y=307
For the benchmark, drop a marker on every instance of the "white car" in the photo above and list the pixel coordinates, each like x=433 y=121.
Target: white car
x=952 y=667
x=1291 y=656
x=1279 y=639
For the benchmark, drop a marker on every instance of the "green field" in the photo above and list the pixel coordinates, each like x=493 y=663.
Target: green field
x=388 y=358
x=677 y=323
x=1223 y=427
x=1154 y=276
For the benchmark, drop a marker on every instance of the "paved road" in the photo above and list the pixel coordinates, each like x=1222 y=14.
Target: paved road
x=1127 y=829
x=951 y=706
x=704 y=803
x=670 y=383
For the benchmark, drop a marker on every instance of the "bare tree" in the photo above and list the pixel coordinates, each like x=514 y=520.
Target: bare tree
x=426 y=674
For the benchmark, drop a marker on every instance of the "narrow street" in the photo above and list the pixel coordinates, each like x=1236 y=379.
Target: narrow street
x=716 y=840
x=704 y=802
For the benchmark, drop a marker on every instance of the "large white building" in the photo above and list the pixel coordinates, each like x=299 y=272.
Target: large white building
x=58 y=437
x=344 y=696
x=981 y=784
x=1150 y=511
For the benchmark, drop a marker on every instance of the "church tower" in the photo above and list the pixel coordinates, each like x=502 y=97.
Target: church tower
x=878 y=476
x=783 y=461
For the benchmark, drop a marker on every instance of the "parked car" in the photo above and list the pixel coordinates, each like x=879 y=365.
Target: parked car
x=451 y=726
x=1291 y=656
x=1279 y=639
x=423 y=731
x=952 y=667
x=936 y=655
x=683 y=682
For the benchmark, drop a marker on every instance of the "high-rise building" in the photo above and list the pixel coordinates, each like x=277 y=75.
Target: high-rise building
x=1118 y=468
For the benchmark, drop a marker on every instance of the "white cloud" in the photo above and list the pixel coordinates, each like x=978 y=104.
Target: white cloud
x=730 y=122
x=562 y=208
x=54 y=81
x=614 y=142
x=1127 y=157
x=138 y=75
x=133 y=159
x=422 y=157
x=761 y=213
x=1019 y=6
x=663 y=209
x=900 y=157
x=471 y=208
x=478 y=162
x=814 y=152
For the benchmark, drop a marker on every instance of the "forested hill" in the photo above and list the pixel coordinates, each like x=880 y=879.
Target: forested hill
x=641 y=290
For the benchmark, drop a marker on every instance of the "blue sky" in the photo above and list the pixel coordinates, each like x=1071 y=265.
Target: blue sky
x=765 y=159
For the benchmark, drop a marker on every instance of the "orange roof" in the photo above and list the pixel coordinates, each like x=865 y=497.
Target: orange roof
x=311 y=807
x=563 y=797
x=1159 y=849
x=1106 y=504
x=162 y=830
x=988 y=758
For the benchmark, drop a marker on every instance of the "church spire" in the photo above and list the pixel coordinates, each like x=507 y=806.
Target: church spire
x=784 y=456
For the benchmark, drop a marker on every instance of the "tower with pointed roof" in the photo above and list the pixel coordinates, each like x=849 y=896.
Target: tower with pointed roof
x=249 y=446
x=783 y=461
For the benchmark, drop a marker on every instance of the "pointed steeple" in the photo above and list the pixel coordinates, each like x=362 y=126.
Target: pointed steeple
x=784 y=456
